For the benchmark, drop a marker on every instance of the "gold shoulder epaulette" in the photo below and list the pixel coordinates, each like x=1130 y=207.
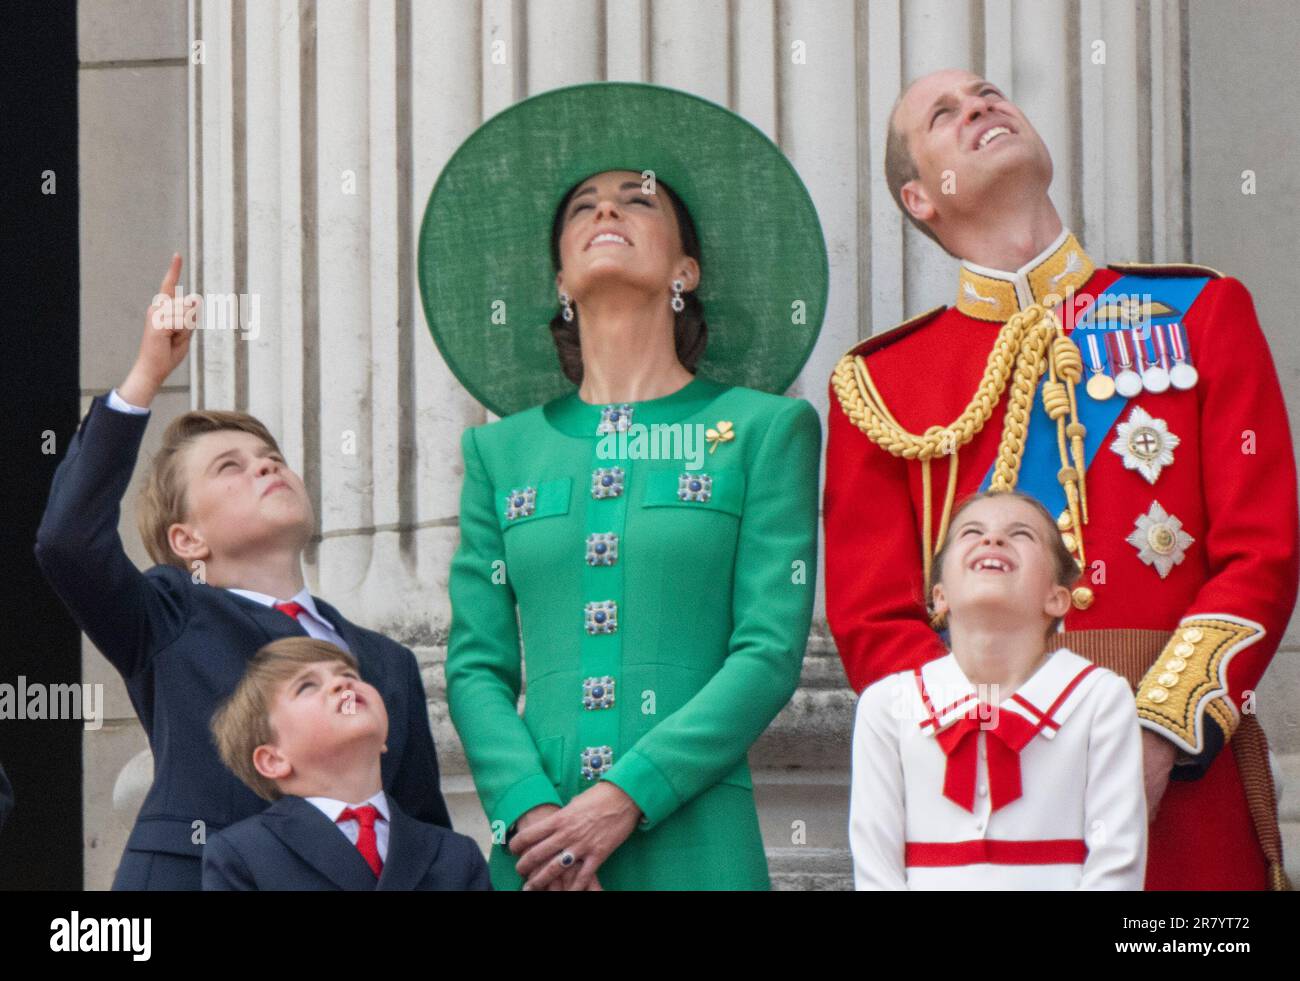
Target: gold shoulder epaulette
x=876 y=341
x=1166 y=268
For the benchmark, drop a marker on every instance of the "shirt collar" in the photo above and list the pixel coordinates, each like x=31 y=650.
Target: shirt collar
x=1053 y=274
x=332 y=808
x=952 y=695
x=303 y=599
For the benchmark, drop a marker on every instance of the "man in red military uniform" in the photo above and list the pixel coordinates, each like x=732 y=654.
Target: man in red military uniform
x=1172 y=470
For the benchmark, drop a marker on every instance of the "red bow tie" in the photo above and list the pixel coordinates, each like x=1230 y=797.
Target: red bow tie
x=1004 y=740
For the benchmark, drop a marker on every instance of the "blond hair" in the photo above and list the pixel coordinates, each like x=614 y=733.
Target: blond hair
x=243 y=721
x=1067 y=568
x=162 y=501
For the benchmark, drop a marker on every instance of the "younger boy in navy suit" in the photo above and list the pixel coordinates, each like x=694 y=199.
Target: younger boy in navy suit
x=303 y=730
x=226 y=521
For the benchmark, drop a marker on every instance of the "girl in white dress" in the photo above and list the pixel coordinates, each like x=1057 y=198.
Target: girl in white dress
x=1009 y=763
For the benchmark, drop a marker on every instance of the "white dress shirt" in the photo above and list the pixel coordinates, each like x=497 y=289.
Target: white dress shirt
x=1082 y=789
x=116 y=401
x=310 y=619
x=351 y=828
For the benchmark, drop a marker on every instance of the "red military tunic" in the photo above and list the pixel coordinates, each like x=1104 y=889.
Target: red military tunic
x=1217 y=614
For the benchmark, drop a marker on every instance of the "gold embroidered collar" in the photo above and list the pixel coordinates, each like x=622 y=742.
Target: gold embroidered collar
x=991 y=294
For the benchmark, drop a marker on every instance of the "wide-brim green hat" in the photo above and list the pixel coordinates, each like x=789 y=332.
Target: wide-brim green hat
x=486 y=278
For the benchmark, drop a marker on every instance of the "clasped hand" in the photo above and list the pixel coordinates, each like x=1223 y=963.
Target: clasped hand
x=589 y=828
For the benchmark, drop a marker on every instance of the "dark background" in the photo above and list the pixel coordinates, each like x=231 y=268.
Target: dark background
x=41 y=842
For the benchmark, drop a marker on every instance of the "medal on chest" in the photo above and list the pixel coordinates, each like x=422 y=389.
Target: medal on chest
x=1127 y=381
x=1145 y=444
x=1100 y=385
x=1182 y=374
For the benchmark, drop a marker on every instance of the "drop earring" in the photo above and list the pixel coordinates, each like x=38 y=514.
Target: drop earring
x=678 y=304
x=568 y=307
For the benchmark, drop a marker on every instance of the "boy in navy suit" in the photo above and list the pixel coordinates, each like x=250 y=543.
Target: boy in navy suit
x=226 y=520
x=303 y=730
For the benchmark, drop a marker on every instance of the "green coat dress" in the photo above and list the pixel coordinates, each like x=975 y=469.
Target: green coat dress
x=663 y=603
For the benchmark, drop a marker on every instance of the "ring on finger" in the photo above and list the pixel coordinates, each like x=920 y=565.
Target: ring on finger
x=567 y=858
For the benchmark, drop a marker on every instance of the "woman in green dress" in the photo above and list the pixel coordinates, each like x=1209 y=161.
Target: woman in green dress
x=638 y=533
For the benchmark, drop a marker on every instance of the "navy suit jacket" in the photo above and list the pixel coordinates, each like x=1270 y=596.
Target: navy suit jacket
x=293 y=845
x=181 y=647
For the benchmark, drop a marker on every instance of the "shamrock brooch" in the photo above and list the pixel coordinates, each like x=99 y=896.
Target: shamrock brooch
x=722 y=434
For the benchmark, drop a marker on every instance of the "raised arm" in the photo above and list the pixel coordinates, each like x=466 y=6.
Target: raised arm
x=127 y=615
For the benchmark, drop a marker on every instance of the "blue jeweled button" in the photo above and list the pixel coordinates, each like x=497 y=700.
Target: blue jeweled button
x=595 y=760
x=695 y=487
x=602 y=548
x=521 y=503
x=606 y=482
x=614 y=419
x=598 y=693
x=601 y=617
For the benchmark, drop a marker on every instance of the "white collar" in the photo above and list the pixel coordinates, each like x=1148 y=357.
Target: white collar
x=333 y=808
x=303 y=599
x=952 y=695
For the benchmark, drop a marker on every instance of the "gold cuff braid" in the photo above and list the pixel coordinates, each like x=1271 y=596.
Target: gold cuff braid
x=1130 y=653
x=1189 y=680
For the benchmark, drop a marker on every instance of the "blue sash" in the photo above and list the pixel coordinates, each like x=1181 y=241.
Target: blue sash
x=1042 y=458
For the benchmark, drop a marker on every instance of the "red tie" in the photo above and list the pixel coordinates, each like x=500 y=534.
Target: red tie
x=290 y=609
x=365 y=816
x=1004 y=741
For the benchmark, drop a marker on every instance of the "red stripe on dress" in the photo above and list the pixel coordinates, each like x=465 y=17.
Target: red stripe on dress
x=1046 y=718
x=1052 y=851
x=925 y=700
x=968 y=697
x=933 y=717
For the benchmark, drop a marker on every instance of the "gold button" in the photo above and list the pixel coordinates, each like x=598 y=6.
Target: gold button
x=1082 y=597
x=1168 y=679
x=1185 y=649
x=1157 y=695
x=1065 y=522
x=1193 y=634
x=1175 y=664
x=1067 y=540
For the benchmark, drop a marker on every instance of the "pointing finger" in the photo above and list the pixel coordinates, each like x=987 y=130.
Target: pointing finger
x=173 y=275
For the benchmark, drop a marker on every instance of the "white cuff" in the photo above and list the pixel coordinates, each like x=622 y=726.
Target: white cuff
x=116 y=401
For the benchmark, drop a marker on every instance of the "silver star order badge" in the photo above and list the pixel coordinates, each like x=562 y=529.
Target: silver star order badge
x=1145 y=444
x=1159 y=539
